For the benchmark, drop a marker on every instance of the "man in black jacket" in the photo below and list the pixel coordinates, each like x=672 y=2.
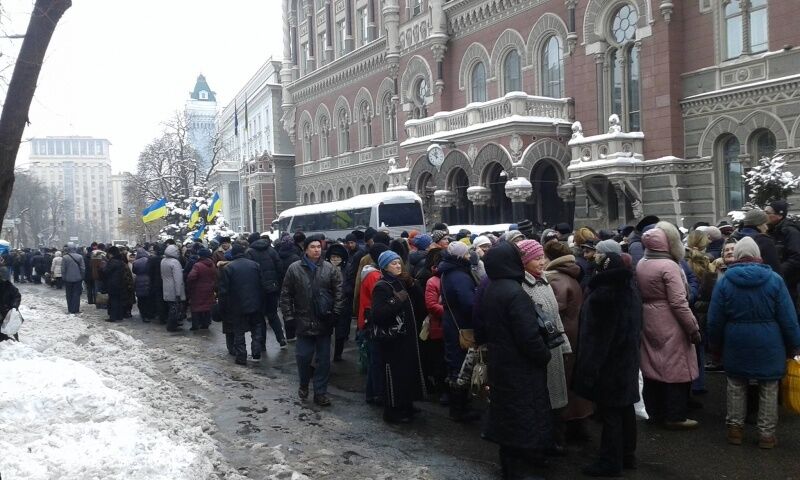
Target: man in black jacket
x=272 y=271
x=240 y=299
x=787 y=241
x=311 y=298
x=158 y=305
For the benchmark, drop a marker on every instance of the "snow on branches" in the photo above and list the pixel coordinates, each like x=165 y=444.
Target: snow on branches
x=179 y=210
x=770 y=181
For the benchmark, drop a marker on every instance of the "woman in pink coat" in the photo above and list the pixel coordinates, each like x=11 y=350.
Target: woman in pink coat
x=669 y=329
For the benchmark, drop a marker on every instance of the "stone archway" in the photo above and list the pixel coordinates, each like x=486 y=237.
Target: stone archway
x=461 y=210
x=498 y=208
x=546 y=208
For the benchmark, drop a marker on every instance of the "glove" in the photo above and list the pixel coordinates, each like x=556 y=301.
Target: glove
x=696 y=338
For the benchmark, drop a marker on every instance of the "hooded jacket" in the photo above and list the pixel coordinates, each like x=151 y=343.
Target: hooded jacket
x=72 y=266
x=172 y=275
x=269 y=261
x=667 y=353
x=766 y=245
x=55 y=267
x=201 y=282
x=458 y=290
x=139 y=268
x=519 y=412
x=753 y=322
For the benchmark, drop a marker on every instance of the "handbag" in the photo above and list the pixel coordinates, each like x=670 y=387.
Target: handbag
x=101 y=299
x=790 y=386
x=398 y=329
x=479 y=381
x=12 y=323
x=548 y=328
x=425 y=331
x=466 y=336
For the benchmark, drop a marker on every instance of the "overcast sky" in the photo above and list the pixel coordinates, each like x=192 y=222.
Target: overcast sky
x=119 y=68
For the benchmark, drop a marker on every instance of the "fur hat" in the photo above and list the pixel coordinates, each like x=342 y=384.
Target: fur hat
x=530 y=250
x=746 y=248
x=646 y=222
x=676 y=249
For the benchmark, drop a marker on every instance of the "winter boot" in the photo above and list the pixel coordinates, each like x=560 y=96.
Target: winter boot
x=459 y=406
x=514 y=467
x=338 y=349
x=735 y=435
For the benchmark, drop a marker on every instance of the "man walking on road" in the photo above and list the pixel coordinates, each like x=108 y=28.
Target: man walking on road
x=72 y=271
x=311 y=297
x=240 y=299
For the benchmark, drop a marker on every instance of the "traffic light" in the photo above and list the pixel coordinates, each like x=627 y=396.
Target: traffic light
x=119 y=211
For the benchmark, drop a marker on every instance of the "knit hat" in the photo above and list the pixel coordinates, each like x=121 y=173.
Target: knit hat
x=605 y=234
x=204 y=253
x=457 y=249
x=237 y=249
x=530 y=250
x=350 y=238
x=318 y=237
x=714 y=233
x=438 y=235
x=609 y=261
x=526 y=227
x=563 y=228
x=755 y=217
x=512 y=235
x=422 y=242
x=369 y=233
x=781 y=207
x=376 y=249
x=253 y=237
x=481 y=240
x=548 y=235
x=746 y=247
x=386 y=258
x=609 y=246
x=381 y=237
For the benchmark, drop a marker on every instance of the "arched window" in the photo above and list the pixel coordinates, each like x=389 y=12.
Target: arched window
x=365 y=124
x=420 y=99
x=512 y=72
x=312 y=198
x=344 y=131
x=624 y=89
x=305 y=199
x=349 y=192
x=385 y=187
x=362 y=190
x=371 y=188
x=478 y=83
x=553 y=68
x=733 y=170
x=307 y=143
x=341 y=194
x=389 y=119
x=324 y=132
x=765 y=145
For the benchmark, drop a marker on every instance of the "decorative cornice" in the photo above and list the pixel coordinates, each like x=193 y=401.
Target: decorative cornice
x=362 y=62
x=780 y=90
x=465 y=16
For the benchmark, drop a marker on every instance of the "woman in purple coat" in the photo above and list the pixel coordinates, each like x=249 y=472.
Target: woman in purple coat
x=669 y=329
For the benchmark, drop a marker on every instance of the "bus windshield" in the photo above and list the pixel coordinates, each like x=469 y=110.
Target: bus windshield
x=399 y=214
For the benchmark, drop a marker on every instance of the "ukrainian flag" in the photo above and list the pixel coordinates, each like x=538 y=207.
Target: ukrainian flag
x=155 y=211
x=200 y=233
x=194 y=216
x=214 y=207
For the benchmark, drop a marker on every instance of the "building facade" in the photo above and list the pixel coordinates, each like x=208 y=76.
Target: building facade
x=77 y=170
x=201 y=117
x=595 y=111
x=255 y=172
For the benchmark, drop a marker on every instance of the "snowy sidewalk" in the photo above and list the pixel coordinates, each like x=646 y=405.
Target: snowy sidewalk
x=82 y=401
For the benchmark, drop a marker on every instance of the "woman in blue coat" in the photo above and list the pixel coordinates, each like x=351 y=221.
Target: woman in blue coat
x=753 y=323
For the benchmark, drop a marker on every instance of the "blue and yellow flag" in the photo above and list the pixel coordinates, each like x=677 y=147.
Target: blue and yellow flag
x=200 y=233
x=155 y=211
x=214 y=207
x=194 y=215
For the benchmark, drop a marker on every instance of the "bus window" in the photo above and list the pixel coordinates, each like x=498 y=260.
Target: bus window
x=397 y=214
x=283 y=224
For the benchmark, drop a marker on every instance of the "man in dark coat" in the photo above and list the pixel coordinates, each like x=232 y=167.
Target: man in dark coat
x=240 y=299
x=114 y=284
x=87 y=274
x=607 y=365
x=142 y=285
x=272 y=272
x=311 y=299
x=519 y=417
x=754 y=225
x=38 y=263
x=338 y=255
x=73 y=270
x=787 y=241
x=158 y=306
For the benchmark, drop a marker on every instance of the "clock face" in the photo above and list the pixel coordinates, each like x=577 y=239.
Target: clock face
x=435 y=155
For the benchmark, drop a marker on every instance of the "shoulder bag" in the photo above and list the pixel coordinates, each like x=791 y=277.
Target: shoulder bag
x=548 y=328
x=394 y=331
x=466 y=336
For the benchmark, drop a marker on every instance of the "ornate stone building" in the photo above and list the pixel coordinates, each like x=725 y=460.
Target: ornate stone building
x=592 y=110
x=201 y=113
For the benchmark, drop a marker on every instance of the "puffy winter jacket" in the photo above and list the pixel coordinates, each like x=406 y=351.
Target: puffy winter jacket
x=142 y=280
x=766 y=245
x=458 y=290
x=55 y=268
x=114 y=277
x=239 y=287
x=433 y=303
x=369 y=277
x=72 y=266
x=753 y=322
x=267 y=258
x=200 y=283
x=172 y=275
x=300 y=285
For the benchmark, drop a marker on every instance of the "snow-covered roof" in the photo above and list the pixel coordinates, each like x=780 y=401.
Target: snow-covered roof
x=478 y=229
x=359 y=201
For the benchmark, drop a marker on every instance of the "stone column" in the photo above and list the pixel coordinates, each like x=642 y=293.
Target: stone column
x=444 y=200
x=330 y=32
x=391 y=20
x=372 y=25
x=518 y=189
x=349 y=39
x=479 y=196
x=311 y=63
x=572 y=35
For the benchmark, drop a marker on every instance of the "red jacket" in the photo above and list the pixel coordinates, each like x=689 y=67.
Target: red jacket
x=433 y=303
x=200 y=285
x=365 y=295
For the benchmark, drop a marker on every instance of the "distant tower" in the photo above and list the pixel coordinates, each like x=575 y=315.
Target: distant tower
x=201 y=110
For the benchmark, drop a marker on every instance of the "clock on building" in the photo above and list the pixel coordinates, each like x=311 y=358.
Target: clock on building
x=435 y=155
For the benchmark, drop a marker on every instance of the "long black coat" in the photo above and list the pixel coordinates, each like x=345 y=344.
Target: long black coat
x=607 y=365
x=519 y=413
x=404 y=378
x=272 y=268
x=240 y=287
x=114 y=278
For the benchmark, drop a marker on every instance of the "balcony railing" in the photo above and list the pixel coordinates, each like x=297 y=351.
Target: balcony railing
x=348 y=159
x=514 y=107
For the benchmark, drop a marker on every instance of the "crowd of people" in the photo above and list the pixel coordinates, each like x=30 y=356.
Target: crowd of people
x=568 y=323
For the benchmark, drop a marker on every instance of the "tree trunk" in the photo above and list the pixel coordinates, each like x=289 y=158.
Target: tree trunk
x=44 y=18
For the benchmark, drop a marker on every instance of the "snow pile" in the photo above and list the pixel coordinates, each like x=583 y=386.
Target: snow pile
x=81 y=402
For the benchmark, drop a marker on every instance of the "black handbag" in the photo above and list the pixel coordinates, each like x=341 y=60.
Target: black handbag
x=396 y=330
x=548 y=328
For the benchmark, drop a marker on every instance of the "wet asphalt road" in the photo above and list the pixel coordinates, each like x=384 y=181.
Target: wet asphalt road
x=256 y=408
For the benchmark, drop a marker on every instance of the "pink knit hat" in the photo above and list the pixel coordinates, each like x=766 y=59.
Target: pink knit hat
x=530 y=250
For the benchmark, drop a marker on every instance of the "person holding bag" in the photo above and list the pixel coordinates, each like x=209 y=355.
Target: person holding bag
x=395 y=327
x=10 y=299
x=458 y=298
